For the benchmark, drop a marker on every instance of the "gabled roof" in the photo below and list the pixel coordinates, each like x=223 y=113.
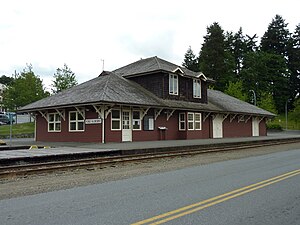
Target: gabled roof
x=155 y=64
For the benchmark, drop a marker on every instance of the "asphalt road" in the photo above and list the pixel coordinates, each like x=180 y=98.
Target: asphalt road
x=256 y=190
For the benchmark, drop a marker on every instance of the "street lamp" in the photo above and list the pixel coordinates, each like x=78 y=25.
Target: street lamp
x=254 y=96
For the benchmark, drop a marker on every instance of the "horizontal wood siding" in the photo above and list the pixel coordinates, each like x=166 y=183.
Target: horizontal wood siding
x=237 y=129
x=92 y=132
x=263 y=128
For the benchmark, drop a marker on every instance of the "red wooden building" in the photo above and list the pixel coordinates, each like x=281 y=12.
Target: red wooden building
x=148 y=100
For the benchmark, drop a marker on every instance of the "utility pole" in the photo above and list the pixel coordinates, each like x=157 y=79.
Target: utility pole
x=102 y=64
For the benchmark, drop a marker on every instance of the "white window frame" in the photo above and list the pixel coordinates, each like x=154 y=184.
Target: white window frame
x=173 y=84
x=197 y=88
x=198 y=121
x=136 y=120
x=194 y=122
x=181 y=121
x=54 y=122
x=77 y=121
x=115 y=119
x=190 y=121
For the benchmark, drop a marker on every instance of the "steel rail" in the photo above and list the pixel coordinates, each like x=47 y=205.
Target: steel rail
x=36 y=168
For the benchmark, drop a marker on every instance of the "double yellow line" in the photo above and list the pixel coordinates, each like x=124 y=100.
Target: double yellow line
x=163 y=218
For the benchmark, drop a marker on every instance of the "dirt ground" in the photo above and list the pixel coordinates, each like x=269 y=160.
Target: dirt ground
x=33 y=184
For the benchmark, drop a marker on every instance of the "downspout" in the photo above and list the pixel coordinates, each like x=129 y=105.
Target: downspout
x=35 y=127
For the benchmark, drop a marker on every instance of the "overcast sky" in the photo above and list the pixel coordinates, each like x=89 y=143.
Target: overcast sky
x=49 y=33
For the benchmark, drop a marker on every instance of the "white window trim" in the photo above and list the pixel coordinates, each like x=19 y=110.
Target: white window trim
x=198 y=121
x=195 y=89
x=140 y=121
x=115 y=119
x=54 y=122
x=181 y=121
x=172 y=80
x=190 y=121
x=77 y=121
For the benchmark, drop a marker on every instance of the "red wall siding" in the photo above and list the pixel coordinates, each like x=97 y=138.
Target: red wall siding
x=200 y=134
x=112 y=135
x=92 y=132
x=263 y=128
x=237 y=129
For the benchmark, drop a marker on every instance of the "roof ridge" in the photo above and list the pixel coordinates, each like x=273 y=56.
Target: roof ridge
x=105 y=86
x=156 y=59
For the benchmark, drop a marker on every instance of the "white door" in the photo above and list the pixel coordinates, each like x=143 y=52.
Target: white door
x=126 y=126
x=255 y=126
x=218 y=126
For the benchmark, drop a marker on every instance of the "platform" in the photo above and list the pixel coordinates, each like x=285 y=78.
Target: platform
x=88 y=149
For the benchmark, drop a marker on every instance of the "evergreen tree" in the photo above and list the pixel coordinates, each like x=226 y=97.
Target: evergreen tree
x=25 y=89
x=236 y=90
x=190 y=60
x=294 y=64
x=275 y=40
x=214 y=61
x=266 y=72
x=6 y=80
x=64 y=78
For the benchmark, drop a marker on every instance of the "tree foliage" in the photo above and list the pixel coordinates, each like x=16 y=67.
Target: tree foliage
x=270 y=68
x=236 y=90
x=212 y=59
x=190 y=60
x=25 y=89
x=64 y=78
x=6 y=80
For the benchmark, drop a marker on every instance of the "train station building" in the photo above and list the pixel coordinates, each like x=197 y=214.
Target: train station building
x=148 y=100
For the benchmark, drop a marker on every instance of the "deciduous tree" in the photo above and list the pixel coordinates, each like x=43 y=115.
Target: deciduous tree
x=64 y=78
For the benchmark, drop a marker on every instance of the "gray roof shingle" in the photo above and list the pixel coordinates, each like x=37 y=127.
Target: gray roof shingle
x=113 y=87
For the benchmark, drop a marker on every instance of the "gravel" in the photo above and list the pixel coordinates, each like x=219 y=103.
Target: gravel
x=33 y=184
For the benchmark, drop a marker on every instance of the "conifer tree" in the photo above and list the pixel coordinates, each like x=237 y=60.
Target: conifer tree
x=190 y=60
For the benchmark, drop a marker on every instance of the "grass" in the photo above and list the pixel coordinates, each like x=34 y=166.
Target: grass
x=280 y=120
x=17 y=129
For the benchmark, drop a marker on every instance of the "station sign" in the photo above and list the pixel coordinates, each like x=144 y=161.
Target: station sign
x=93 y=121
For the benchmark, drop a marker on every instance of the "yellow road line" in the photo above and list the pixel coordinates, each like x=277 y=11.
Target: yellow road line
x=215 y=200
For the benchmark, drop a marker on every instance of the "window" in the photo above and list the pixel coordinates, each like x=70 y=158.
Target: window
x=181 y=121
x=191 y=121
x=173 y=84
x=194 y=121
x=197 y=88
x=116 y=119
x=76 y=121
x=197 y=121
x=54 y=122
x=136 y=120
x=148 y=123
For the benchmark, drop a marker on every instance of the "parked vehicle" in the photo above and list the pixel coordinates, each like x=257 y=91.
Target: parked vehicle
x=5 y=119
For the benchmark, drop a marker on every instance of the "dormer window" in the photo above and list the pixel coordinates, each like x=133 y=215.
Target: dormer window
x=197 y=88
x=173 y=84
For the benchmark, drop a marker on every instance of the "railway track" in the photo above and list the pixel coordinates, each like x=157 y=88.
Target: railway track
x=46 y=167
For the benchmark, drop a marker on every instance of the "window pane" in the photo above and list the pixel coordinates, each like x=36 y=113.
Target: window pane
x=197 y=125
x=175 y=85
x=171 y=82
x=191 y=125
x=57 y=117
x=136 y=124
x=181 y=116
x=115 y=114
x=73 y=116
x=190 y=116
x=80 y=125
x=79 y=116
x=135 y=114
x=197 y=117
x=73 y=126
x=51 y=126
x=57 y=126
x=51 y=117
x=182 y=126
x=115 y=125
